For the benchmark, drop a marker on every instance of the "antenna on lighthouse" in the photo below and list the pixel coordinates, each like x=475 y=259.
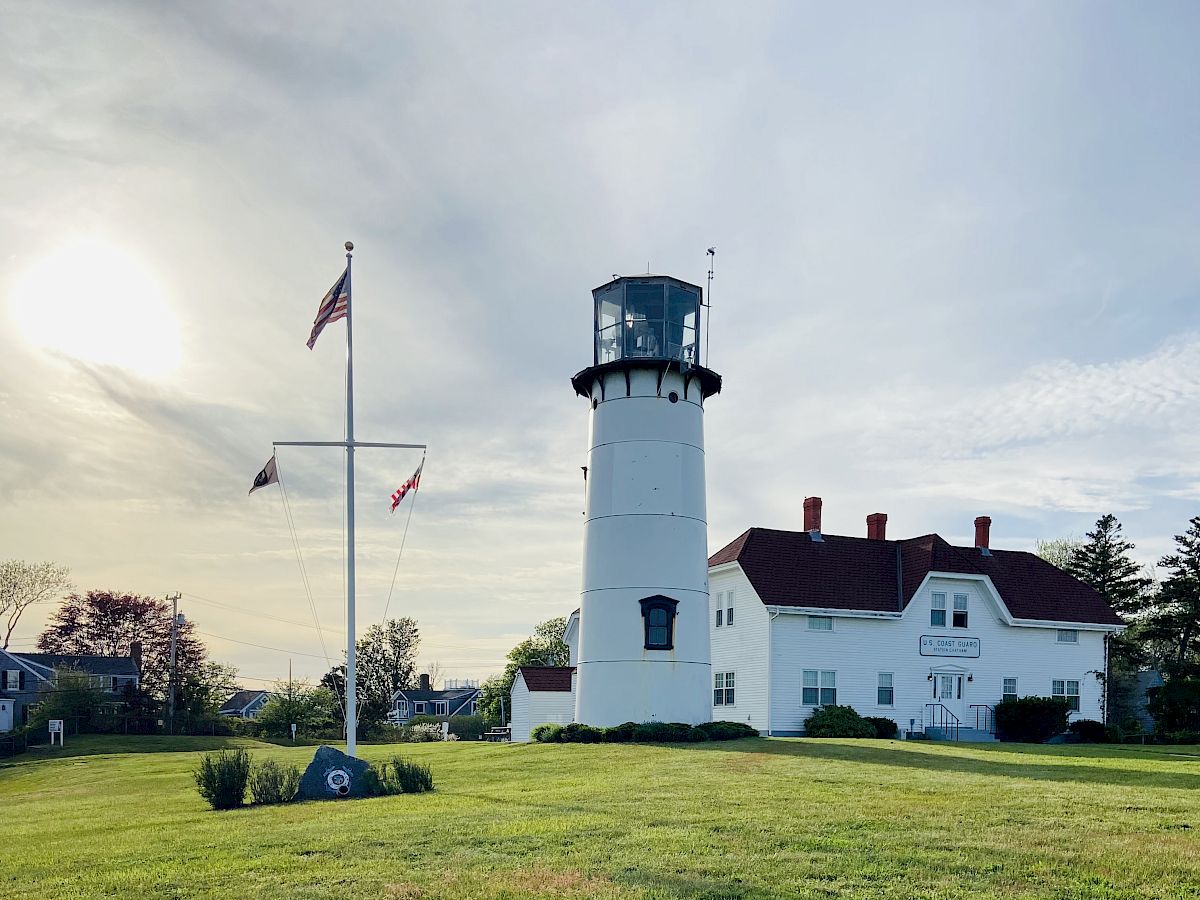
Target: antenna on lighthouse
x=712 y=262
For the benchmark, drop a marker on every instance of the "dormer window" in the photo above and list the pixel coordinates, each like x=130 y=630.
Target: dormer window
x=937 y=615
x=960 y=611
x=658 y=619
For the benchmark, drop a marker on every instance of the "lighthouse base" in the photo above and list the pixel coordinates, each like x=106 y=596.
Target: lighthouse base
x=610 y=693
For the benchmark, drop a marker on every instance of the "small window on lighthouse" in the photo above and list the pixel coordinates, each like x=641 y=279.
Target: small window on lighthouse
x=658 y=618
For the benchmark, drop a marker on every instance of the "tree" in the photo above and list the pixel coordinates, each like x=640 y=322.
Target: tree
x=435 y=672
x=104 y=623
x=1103 y=562
x=201 y=692
x=386 y=660
x=545 y=648
x=22 y=584
x=1058 y=551
x=1173 y=617
x=295 y=702
x=73 y=698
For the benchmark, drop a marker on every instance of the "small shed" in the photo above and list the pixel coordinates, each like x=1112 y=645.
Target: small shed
x=541 y=694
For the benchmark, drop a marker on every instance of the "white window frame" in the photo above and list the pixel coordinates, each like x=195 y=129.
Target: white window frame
x=965 y=609
x=723 y=689
x=418 y=707
x=826 y=680
x=720 y=622
x=1061 y=636
x=890 y=687
x=728 y=609
x=12 y=680
x=441 y=708
x=402 y=708
x=812 y=619
x=1065 y=692
x=1004 y=695
x=937 y=604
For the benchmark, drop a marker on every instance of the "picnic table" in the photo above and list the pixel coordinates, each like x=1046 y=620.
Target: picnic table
x=498 y=734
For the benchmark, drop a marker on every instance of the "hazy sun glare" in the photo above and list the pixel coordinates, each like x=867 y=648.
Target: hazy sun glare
x=96 y=302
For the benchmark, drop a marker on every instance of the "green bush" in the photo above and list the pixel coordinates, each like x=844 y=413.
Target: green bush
x=222 y=776
x=884 y=727
x=1176 y=705
x=838 y=722
x=272 y=783
x=405 y=777
x=1031 y=720
x=467 y=728
x=578 y=733
x=726 y=731
x=546 y=733
x=1180 y=737
x=620 y=734
x=1090 y=731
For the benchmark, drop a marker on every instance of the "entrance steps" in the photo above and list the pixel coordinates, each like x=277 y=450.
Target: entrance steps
x=965 y=735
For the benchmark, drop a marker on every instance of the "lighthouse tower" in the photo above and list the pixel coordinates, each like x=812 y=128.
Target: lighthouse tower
x=643 y=621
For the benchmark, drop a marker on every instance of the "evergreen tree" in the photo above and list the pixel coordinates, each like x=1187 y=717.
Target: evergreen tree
x=1174 y=616
x=1103 y=562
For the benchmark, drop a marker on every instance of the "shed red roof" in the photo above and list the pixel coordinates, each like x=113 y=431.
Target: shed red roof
x=547 y=678
x=789 y=568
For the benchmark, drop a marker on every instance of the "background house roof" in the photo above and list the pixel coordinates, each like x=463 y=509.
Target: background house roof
x=547 y=678
x=789 y=568
x=123 y=666
x=241 y=700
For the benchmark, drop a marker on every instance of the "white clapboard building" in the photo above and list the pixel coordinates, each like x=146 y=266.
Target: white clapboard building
x=929 y=635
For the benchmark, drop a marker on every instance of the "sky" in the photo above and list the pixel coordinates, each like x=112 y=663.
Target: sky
x=957 y=274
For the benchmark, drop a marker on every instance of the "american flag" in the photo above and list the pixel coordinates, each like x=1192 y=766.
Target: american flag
x=411 y=485
x=333 y=306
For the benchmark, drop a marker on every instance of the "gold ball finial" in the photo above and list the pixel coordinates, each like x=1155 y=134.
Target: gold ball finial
x=349 y=245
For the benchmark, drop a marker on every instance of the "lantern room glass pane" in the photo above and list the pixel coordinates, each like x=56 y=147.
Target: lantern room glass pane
x=644 y=309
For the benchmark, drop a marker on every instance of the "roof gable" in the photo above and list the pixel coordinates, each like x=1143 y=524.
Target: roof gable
x=789 y=568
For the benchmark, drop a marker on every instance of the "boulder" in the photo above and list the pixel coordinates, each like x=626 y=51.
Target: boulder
x=332 y=775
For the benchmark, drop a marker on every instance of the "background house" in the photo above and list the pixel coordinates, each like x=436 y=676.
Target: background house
x=23 y=676
x=458 y=698
x=244 y=704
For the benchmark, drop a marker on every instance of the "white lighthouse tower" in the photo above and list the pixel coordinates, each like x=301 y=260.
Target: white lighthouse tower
x=643 y=622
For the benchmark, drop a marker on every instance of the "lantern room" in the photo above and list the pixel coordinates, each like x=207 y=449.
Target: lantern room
x=648 y=316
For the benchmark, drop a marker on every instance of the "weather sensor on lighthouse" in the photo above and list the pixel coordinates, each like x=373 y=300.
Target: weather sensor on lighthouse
x=643 y=622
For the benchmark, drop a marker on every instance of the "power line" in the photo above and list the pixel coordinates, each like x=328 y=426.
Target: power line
x=260 y=615
x=264 y=646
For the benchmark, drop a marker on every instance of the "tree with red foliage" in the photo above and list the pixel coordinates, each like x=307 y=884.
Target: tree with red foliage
x=106 y=623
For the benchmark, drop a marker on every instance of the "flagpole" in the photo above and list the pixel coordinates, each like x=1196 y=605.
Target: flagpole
x=351 y=675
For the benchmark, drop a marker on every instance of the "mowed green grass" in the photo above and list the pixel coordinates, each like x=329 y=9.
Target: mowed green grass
x=754 y=818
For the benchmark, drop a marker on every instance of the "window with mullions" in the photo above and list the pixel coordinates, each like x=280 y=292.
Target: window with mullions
x=937 y=615
x=658 y=619
x=818 y=688
x=1066 y=690
x=885 y=693
x=723 y=689
x=960 y=611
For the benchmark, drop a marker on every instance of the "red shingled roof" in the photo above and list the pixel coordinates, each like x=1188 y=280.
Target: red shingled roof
x=789 y=568
x=547 y=678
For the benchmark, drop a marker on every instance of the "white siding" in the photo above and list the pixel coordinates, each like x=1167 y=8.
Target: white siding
x=858 y=649
x=533 y=708
x=740 y=648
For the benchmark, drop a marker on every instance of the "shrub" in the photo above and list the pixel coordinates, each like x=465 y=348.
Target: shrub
x=884 y=727
x=272 y=783
x=1090 y=731
x=578 y=733
x=1176 y=705
x=661 y=732
x=404 y=777
x=546 y=734
x=1031 y=719
x=222 y=776
x=424 y=732
x=726 y=731
x=467 y=728
x=620 y=734
x=838 y=722
x=1181 y=737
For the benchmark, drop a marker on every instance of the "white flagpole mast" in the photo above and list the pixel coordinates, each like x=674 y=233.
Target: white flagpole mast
x=351 y=675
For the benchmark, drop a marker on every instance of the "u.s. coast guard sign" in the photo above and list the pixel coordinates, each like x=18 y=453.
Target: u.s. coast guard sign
x=945 y=645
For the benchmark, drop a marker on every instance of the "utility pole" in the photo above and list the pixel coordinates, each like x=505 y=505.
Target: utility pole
x=174 y=635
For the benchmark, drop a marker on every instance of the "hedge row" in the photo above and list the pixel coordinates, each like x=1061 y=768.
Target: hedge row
x=642 y=733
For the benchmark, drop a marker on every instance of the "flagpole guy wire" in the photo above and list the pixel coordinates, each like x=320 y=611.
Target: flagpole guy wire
x=404 y=537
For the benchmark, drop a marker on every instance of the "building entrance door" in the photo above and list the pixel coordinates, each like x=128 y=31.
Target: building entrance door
x=6 y=716
x=949 y=689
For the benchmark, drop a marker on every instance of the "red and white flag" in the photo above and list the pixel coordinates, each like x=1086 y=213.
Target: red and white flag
x=411 y=485
x=333 y=306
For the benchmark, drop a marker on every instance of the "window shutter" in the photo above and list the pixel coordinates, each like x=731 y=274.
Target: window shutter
x=20 y=680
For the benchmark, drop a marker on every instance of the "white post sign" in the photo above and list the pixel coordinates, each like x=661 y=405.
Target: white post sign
x=445 y=730
x=56 y=727
x=293 y=732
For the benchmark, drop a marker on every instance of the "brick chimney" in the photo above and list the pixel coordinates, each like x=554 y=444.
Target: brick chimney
x=135 y=652
x=983 y=533
x=877 y=526
x=812 y=515
x=425 y=681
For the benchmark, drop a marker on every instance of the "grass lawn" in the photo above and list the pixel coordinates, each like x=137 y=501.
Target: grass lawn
x=755 y=818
